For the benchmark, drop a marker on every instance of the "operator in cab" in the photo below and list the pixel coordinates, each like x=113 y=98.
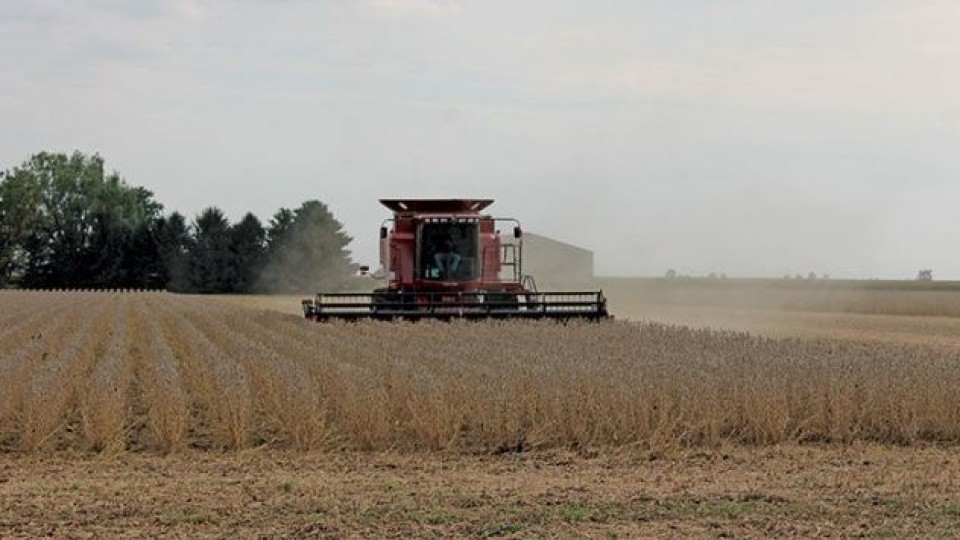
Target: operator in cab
x=447 y=259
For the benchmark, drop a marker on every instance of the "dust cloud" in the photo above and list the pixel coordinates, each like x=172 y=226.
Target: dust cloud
x=922 y=312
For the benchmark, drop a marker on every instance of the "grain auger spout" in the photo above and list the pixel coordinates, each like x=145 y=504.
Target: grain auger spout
x=445 y=260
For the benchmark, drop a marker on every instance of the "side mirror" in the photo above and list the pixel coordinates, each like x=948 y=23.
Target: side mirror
x=383 y=232
x=517 y=232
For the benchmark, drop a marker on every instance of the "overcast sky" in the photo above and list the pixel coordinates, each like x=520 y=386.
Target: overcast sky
x=749 y=137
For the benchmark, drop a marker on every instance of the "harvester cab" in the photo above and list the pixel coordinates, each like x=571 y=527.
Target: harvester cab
x=444 y=259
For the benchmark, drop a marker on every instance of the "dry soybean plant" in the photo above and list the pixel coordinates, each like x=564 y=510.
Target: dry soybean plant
x=158 y=372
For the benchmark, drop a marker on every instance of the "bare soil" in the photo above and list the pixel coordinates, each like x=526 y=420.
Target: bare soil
x=729 y=492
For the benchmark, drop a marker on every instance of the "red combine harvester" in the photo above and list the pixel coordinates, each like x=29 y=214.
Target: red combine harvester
x=445 y=260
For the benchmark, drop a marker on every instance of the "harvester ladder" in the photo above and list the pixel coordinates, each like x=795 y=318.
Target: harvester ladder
x=529 y=283
x=511 y=260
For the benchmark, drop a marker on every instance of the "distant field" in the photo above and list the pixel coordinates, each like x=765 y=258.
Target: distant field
x=887 y=311
x=876 y=297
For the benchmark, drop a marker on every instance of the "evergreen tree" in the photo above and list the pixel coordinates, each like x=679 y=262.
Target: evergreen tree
x=210 y=268
x=247 y=249
x=279 y=225
x=173 y=247
x=307 y=251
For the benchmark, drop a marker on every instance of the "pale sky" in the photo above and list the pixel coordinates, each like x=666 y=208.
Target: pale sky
x=749 y=137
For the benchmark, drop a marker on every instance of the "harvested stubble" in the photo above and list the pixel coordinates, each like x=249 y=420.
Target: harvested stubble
x=195 y=372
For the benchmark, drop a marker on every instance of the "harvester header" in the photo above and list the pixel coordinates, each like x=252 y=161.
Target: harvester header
x=443 y=259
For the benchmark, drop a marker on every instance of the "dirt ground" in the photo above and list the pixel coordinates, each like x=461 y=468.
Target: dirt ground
x=729 y=492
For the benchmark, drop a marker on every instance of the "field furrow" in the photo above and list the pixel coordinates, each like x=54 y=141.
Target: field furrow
x=105 y=400
x=163 y=395
x=288 y=405
x=51 y=385
x=221 y=394
x=15 y=369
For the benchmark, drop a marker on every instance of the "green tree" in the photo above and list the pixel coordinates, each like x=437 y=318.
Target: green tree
x=210 y=260
x=121 y=247
x=247 y=250
x=307 y=251
x=67 y=223
x=279 y=225
x=19 y=217
x=173 y=242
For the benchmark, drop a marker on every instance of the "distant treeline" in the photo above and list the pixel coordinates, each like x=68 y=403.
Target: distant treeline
x=65 y=223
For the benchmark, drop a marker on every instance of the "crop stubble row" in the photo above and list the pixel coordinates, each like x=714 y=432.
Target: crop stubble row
x=159 y=372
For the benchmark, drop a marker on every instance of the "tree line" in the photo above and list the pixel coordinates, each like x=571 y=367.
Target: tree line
x=67 y=223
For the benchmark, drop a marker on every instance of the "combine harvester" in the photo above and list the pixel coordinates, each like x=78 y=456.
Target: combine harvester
x=445 y=260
